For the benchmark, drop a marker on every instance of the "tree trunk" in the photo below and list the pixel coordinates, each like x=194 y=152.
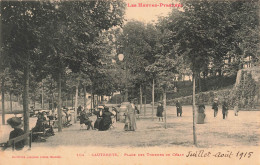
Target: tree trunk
x=164 y=106
x=161 y=97
x=3 y=78
x=141 y=99
x=93 y=100
x=91 y=106
x=26 y=96
x=72 y=100
x=34 y=98
x=144 y=105
x=84 y=97
x=59 y=103
x=97 y=100
x=205 y=88
x=3 y=100
x=126 y=84
x=52 y=98
x=11 y=102
x=199 y=78
x=153 y=100
x=76 y=103
x=52 y=101
x=42 y=97
x=34 y=102
x=194 y=110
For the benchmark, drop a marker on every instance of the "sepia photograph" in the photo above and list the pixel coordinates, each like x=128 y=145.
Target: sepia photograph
x=129 y=82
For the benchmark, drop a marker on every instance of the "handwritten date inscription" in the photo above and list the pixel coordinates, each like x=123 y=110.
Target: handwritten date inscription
x=227 y=154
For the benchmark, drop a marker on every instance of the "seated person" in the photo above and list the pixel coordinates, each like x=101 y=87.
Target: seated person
x=106 y=121
x=84 y=119
x=40 y=126
x=67 y=119
x=99 y=113
x=79 y=109
x=16 y=124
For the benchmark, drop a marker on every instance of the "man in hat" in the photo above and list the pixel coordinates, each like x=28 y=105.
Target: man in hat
x=84 y=119
x=179 y=108
x=215 y=107
x=159 y=113
x=224 y=108
x=16 y=124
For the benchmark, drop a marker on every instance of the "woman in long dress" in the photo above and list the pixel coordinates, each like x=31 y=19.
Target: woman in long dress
x=130 y=122
x=106 y=120
x=159 y=113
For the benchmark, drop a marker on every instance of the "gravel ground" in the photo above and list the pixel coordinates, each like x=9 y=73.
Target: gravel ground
x=151 y=143
x=242 y=130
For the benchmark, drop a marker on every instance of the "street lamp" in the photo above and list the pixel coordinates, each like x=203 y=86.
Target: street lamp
x=121 y=58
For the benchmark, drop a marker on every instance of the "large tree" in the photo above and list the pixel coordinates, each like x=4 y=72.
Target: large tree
x=60 y=34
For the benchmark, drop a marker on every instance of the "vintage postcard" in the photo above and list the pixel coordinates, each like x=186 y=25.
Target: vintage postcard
x=129 y=82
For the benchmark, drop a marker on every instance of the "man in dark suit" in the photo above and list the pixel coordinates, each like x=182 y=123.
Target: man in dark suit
x=179 y=108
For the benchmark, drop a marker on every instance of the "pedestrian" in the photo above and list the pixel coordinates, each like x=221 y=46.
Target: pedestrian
x=224 y=109
x=201 y=114
x=130 y=123
x=16 y=124
x=159 y=113
x=215 y=107
x=179 y=108
x=236 y=110
x=84 y=119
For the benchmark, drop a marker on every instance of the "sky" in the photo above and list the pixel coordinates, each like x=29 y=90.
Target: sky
x=147 y=14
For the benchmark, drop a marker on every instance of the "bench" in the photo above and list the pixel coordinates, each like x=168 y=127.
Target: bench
x=12 y=142
x=44 y=130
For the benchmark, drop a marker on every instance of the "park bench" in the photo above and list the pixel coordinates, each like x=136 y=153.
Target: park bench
x=12 y=142
x=44 y=130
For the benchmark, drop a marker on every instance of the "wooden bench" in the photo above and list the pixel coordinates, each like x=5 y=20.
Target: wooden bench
x=44 y=130
x=12 y=142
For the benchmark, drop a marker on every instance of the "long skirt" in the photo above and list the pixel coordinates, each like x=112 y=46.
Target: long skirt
x=130 y=124
x=97 y=123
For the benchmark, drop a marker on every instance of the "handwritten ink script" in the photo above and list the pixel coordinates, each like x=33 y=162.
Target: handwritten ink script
x=227 y=154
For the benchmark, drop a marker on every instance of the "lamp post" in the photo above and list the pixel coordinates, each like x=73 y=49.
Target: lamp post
x=121 y=58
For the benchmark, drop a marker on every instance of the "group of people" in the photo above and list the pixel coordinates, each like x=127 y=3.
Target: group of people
x=42 y=125
x=201 y=109
x=224 y=108
x=103 y=121
x=160 y=110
